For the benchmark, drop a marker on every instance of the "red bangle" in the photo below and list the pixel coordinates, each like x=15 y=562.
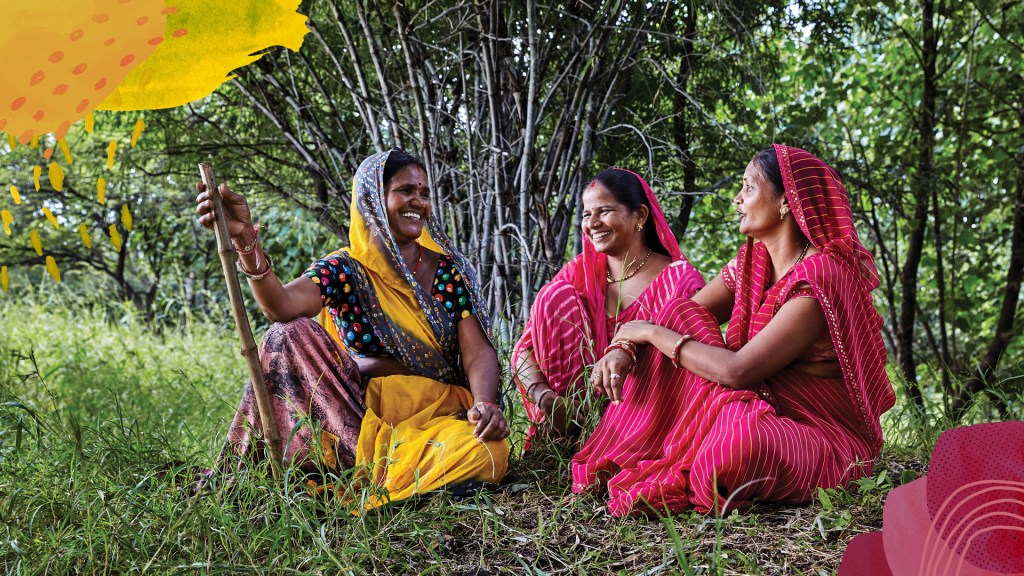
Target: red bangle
x=679 y=345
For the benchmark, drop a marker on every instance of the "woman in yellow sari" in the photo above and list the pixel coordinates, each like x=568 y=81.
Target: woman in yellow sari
x=402 y=378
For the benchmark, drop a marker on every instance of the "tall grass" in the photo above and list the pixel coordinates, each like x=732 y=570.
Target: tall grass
x=103 y=422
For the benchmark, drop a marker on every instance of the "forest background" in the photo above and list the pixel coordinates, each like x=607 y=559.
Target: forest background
x=513 y=107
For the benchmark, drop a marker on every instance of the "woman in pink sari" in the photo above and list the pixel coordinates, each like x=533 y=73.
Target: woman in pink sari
x=630 y=266
x=789 y=401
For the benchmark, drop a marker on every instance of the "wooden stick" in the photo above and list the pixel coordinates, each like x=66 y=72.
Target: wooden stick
x=249 y=350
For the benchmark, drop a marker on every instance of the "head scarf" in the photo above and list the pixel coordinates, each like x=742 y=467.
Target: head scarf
x=412 y=325
x=588 y=271
x=821 y=208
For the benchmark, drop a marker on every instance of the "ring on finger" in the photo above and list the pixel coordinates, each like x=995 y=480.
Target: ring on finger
x=613 y=376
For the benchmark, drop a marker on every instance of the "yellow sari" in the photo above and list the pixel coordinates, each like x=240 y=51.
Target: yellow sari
x=414 y=437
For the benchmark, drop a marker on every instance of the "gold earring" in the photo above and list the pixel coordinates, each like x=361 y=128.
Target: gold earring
x=783 y=210
x=639 y=226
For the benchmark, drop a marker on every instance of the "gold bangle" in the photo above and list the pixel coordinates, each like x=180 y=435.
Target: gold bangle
x=261 y=275
x=679 y=345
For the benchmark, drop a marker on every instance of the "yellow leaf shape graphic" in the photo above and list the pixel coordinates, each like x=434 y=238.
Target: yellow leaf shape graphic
x=101 y=190
x=37 y=171
x=33 y=236
x=66 y=151
x=115 y=237
x=34 y=142
x=3 y=278
x=49 y=216
x=56 y=176
x=62 y=58
x=111 y=149
x=83 y=231
x=51 y=267
x=206 y=40
x=89 y=120
x=126 y=217
x=6 y=217
x=137 y=131
x=12 y=141
x=15 y=195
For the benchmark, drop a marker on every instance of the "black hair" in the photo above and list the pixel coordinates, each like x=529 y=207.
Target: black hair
x=768 y=161
x=627 y=190
x=397 y=160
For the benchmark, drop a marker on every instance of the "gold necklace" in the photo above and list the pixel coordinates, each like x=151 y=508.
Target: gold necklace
x=631 y=274
x=802 y=254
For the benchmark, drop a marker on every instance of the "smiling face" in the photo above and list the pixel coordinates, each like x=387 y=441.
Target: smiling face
x=407 y=202
x=609 y=223
x=757 y=204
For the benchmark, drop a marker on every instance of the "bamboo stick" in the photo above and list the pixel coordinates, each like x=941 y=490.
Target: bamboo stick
x=249 y=350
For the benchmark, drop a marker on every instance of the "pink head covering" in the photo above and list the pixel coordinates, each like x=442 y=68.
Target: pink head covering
x=588 y=272
x=822 y=210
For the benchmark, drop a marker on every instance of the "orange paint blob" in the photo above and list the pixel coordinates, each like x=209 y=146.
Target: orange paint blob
x=79 y=69
x=47 y=153
x=109 y=41
x=127 y=60
x=38 y=116
x=62 y=131
x=18 y=103
x=60 y=89
x=3 y=122
x=100 y=18
x=156 y=40
x=169 y=10
x=179 y=32
x=25 y=137
x=141 y=21
x=82 y=106
x=37 y=78
x=100 y=84
x=76 y=35
x=56 y=56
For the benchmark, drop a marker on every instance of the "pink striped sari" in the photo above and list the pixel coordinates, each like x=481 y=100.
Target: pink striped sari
x=568 y=321
x=678 y=441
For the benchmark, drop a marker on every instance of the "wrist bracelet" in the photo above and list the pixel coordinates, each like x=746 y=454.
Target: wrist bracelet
x=248 y=248
x=541 y=399
x=626 y=346
x=261 y=275
x=475 y=404
x=679 y=345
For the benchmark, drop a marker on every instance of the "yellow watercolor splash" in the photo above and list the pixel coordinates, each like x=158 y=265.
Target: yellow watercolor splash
x=34 y=142
x=115 y=237
x=111 y=150
x=37 y=171
x=89 y=121
x=66 y=151
x=126 y=217
x=83 y=231
x=101 y=190
x=62 y=58
x=51 y=267
x=33 y=236
x=56 y=176
x=49 y=216
x=15 y=195
x=137 y=131
x=3 y=278
x=7 y=219
x=221 y=35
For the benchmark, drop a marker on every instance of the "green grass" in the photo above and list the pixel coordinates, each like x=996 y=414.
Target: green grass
x=101 y=418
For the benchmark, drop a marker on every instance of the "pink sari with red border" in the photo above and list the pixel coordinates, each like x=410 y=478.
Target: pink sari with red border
x=568 y=321
x=678 y=441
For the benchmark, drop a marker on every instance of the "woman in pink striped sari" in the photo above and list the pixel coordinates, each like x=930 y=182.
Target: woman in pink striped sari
x=630 y=266
x=789 y=401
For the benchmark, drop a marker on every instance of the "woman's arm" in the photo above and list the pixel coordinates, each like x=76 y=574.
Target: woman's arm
x=373 y=367
x=798 y=324
x=279 y=302
x=481 y=363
